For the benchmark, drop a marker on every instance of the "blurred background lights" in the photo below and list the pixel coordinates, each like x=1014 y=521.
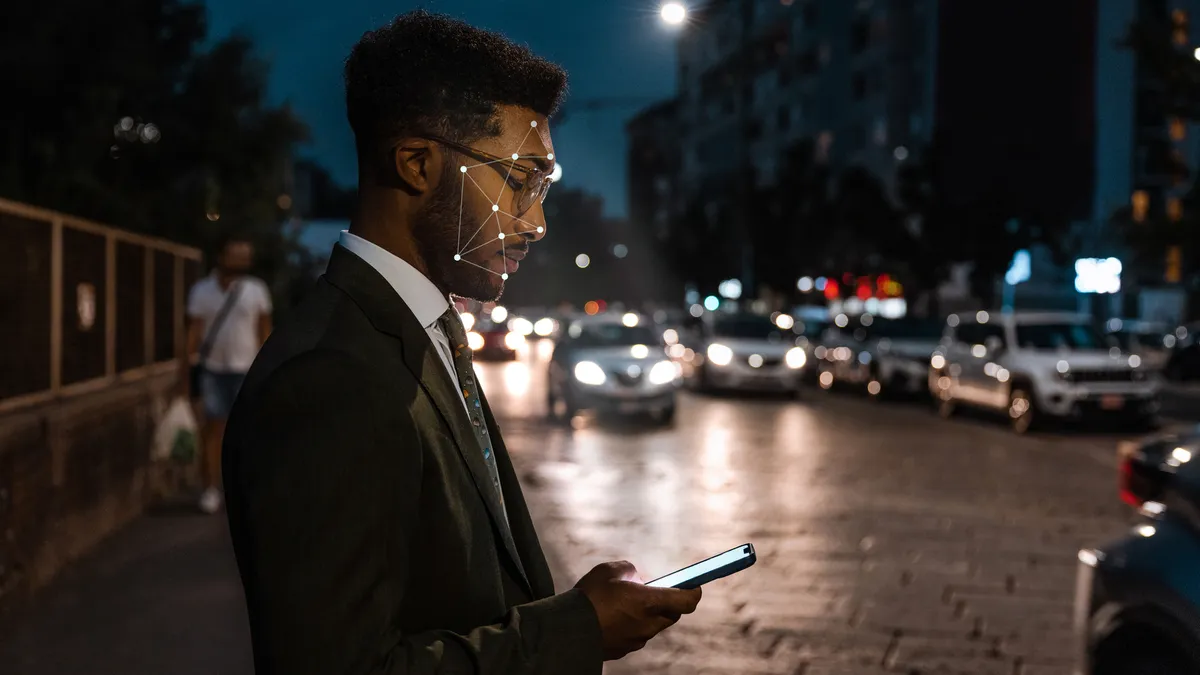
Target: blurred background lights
x=673 y=13
x=582 y=261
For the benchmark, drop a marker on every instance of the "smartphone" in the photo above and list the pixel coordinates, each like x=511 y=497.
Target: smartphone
x=720 y=565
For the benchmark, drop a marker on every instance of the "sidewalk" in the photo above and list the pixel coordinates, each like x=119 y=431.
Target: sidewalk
x=161 y=597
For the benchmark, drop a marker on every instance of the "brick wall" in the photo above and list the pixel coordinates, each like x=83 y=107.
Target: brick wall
x=71 y=473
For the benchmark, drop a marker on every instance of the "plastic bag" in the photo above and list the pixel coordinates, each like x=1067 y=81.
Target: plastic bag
x=176 y=438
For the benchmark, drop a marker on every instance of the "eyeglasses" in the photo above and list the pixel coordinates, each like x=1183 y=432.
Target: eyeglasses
x=532 y=190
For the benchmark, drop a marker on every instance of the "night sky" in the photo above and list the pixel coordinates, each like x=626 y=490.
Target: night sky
x=609 y=47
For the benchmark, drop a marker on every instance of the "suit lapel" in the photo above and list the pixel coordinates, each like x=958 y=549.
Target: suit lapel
x=390 y=315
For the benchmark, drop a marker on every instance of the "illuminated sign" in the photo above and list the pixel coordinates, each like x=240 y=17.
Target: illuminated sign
x=1020 y=268
x=1098 y=275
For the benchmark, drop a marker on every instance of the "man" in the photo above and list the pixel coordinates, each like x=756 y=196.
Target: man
x=229 y=319
x=378 y=523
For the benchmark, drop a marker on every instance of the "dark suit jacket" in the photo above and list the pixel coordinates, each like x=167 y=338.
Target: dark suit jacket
x=367 y=533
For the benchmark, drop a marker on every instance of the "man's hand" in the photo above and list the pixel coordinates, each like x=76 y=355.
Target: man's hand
x=631 y=613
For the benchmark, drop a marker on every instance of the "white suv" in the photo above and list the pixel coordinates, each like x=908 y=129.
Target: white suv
x=1038 y=364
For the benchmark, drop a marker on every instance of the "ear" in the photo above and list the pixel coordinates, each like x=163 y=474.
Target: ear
x=416 y=164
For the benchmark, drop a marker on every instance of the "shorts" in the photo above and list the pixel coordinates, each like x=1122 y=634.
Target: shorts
x=218 y=391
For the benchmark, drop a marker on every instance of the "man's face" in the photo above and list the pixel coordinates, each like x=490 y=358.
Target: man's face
x=237 y=257
x=471 y=232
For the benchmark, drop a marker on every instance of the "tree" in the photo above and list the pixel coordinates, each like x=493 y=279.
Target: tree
x=124 y=117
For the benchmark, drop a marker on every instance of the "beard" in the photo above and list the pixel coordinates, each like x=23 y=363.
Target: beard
x=436 y=232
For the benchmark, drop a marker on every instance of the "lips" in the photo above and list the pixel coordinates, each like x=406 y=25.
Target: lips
x=512 y=259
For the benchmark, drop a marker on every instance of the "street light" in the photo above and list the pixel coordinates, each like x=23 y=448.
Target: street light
x=673 y=13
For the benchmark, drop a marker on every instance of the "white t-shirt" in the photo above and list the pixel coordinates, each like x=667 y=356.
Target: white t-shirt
x=237 y=341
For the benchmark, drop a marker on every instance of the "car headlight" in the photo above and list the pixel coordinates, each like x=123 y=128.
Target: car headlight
x=720 y=354
x=664 y=372
x=588 y=372
x=514 y=340
x=796 y=358
x=475 y=341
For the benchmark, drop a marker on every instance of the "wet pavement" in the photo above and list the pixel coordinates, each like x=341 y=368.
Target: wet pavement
x=888 y=541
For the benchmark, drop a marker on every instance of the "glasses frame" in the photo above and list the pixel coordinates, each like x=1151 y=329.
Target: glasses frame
x=532 y=190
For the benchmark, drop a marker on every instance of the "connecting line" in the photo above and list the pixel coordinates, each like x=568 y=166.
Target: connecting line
x=479 y=266
x=472 y=250
x=461 y=193
x=485 y=220
x=481 y=190
x=514 y=163
x=520 y=220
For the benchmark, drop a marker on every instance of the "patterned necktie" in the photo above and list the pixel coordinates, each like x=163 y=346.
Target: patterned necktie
x=469 y=386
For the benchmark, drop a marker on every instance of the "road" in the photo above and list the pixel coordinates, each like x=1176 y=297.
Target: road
x=889 y=541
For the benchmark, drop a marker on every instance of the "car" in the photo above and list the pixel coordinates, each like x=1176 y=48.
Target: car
x=607 y=365
x=1137 y=599
x=1035 y=366
x=810 y=332
x=492 y=341
x=885 y=357
x=1183 y=364
x=1150 y=341
x=749 y=352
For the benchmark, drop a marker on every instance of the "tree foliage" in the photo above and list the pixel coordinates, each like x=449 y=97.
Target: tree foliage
x=75 y=69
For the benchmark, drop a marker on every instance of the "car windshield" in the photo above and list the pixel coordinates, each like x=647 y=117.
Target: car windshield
x=1059 y=336
x=905 y=329
x=613 y=335
x=747 y=328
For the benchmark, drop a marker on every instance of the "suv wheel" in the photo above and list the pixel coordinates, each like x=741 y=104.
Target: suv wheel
x=1022 y=410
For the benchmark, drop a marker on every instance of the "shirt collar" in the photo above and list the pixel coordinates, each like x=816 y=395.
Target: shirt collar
x=415 y=289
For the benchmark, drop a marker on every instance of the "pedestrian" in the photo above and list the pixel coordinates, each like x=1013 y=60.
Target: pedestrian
x=229 y=318
x=377 y=520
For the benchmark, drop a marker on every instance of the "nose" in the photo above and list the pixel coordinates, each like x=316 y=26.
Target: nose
x=534 y=227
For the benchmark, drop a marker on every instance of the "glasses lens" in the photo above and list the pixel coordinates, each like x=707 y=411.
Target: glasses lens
x=532 y=192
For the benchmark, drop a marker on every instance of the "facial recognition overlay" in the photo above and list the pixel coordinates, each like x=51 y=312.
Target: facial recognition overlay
x=466 y=244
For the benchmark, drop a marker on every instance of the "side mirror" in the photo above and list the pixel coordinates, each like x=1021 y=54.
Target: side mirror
x=994 y=344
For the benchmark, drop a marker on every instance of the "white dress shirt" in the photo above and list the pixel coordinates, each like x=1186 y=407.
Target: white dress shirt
x=422 y=297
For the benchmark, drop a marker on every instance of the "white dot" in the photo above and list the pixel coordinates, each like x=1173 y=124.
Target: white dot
x=533 y=123
x=501 y=235
x=550 y=156
x=541 y=229
x=516 y=156
x=462 y=169
x=457 y=257
x=495 y=207
x=504 y=276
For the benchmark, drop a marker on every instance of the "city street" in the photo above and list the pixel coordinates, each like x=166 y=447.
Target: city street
x=888 y=540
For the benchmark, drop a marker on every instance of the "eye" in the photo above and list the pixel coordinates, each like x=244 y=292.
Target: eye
x=514 y=183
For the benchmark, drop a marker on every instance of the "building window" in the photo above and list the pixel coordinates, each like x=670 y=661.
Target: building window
x=1140 y=203
x=783 y=118
x=1179 y=18
x=1174 y=209
x=1178 y=129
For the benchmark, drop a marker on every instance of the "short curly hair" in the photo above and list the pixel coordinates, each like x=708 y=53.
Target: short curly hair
x=431 y=73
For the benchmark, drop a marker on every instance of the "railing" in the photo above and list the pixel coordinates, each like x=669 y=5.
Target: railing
x=84 y=306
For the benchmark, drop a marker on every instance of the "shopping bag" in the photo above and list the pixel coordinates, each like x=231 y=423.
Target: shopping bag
x=176 y=437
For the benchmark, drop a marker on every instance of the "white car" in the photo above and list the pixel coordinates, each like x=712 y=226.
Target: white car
x=883 y=356
x=605 y=364
x=749 y=352
x=1035 y=365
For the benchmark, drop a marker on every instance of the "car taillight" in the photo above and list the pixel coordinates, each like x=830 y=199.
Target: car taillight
x=1142 y=477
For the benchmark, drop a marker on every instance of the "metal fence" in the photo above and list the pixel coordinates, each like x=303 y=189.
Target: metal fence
x=84 y=305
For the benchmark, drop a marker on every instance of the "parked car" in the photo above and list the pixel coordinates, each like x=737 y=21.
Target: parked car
x=1038 y=365
x=1137 y=600
x=883 y=356
x=1150 y=341
x=749 y=352
x=1183 y=364
x=602 y=364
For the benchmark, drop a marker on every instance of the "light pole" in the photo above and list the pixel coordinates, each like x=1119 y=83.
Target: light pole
x=675 y=14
